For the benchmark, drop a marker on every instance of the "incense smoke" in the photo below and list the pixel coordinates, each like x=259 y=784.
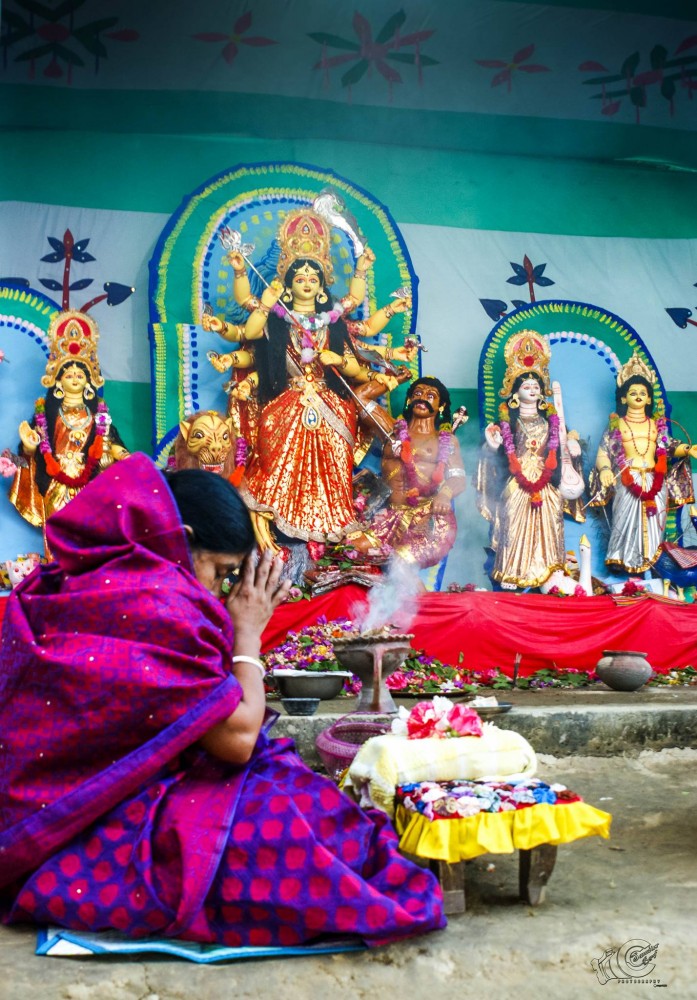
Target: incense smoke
x=393 y=600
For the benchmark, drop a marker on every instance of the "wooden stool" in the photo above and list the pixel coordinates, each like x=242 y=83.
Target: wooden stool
x=535 y=868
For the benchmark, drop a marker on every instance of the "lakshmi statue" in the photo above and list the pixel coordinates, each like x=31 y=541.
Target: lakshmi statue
x=71 y=437
x=526 y=491
x=424 y=471
x=303 y=369
x=632 y=470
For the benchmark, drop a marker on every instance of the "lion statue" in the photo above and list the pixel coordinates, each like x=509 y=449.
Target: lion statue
x=206 y=440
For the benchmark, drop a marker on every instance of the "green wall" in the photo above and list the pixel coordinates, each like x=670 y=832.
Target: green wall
x=152 y=173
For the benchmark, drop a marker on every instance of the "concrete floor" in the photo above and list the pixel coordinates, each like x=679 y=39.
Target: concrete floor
x=638 y=885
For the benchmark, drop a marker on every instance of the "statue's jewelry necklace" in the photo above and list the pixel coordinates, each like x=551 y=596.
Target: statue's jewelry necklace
x=76 y=418
x=649 y=438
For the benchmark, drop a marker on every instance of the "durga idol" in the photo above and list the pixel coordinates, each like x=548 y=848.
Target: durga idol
x=302 y=368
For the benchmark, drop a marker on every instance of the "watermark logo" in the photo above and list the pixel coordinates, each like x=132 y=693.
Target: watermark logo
x=633 y=962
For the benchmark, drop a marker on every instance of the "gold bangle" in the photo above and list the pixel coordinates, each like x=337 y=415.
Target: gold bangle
x=345 y=360
x=240 y=272
x=389 y=354
x=263 y=309
x=389 y=311
x=604 y=468
x=360 y=273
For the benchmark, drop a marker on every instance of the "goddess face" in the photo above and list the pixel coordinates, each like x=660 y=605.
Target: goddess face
x=637 y=398
x=529 y=391
x=305 y=285
x=72 y=380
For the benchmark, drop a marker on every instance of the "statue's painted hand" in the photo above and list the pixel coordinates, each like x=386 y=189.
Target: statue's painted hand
x=573 y=447
x=366 y=260
x=606 y=477
x=272 y=293
x=243 y=390
x=212 y=323
x=330 y=358
x=492 y=436
x=29 y=437
x=237 y=261
x=692 y=452
x=221 y=362
x=388 y=381
x=405 y=353
x=441 y=504
x=401 y=305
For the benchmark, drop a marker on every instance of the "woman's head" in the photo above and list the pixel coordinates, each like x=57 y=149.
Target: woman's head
x=217 y=524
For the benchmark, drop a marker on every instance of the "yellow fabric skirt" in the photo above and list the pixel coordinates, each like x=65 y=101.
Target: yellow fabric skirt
x=463 y=838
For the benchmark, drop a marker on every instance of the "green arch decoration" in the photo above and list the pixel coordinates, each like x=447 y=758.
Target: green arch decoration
x=576 y=322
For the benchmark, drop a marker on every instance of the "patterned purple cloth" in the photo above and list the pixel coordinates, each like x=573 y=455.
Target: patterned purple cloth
x=114 y=663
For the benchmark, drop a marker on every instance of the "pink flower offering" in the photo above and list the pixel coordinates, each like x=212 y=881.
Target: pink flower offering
x=441 y=719
x=422 y=721
x=464 y=721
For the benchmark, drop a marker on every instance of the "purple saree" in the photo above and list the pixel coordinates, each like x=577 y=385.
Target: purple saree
x=114 y=663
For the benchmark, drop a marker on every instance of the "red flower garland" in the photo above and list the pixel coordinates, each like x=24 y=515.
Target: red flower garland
x=532 y=487
x=414 y=489
x=94 y=452
x=648 y=497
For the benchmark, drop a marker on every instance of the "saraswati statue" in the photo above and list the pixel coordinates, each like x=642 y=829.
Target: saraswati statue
x=529 y=475
x=310 y=380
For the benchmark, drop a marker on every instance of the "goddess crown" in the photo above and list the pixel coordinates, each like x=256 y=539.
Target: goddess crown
x=305 y=234
x=635 y=366
x=526 y=352
x=72 y=336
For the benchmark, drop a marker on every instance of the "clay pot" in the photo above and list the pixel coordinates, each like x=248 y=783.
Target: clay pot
x=623 y=669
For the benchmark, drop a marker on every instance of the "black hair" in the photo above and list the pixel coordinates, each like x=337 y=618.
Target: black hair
x=214 y=511
x=443 y=393
x=52 y=405
x=622 y=390
x=514 y=413
x=270 y=353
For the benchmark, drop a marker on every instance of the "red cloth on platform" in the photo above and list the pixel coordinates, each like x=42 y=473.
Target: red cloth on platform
x=549 y=632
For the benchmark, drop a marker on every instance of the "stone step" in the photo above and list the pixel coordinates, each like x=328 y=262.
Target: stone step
x=558 y=722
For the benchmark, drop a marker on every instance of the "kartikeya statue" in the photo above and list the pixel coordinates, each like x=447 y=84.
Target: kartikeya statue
x=71 y=437
x=641 y=469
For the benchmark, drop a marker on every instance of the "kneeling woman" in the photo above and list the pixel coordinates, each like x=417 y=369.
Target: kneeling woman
x=138 y=790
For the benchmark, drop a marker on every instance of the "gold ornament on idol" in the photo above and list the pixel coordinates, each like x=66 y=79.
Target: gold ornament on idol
x=526 y=353
x=305 y=234
x=73 y=336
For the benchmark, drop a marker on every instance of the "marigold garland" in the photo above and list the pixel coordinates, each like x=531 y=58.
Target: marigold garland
x=415 y=489
x=648 y=497
x=94 y=452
